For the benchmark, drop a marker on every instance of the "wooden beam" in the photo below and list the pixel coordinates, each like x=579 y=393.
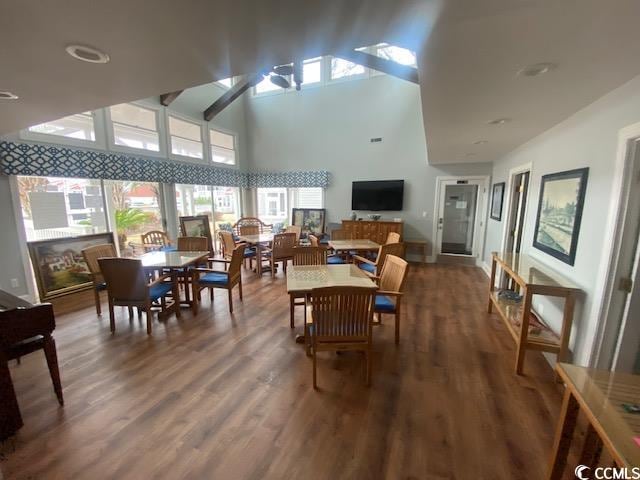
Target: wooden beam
x=381 y=65
x=230 y=95
x=167 y=98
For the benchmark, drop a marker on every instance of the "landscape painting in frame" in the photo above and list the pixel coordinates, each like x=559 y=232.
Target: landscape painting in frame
x=560 y=212
x=58 y=264
x=310 y=219
x=196 y=226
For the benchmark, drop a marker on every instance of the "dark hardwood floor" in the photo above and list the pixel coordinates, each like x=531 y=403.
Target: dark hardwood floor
x=225 y=396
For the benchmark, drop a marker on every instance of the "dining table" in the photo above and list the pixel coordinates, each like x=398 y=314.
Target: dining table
x=302 y=279
x=176 y=262
x=258 y=241
x=359 y=246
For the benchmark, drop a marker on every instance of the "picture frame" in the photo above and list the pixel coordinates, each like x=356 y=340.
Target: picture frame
x=559 y=214
x=197 y=226
x=58 y=265
x=311 y=220
x=497 y=201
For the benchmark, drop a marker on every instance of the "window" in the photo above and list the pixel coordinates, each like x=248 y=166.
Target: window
x=220 y=204
x=341 y=68
x=79 y=126
x=135 y=127
x=400 y=55
x=272 y=204
x=222 y=147
x=312 y=71
x=226 y=82
x=307 y=197
x=186 y=138
x=61 y=207
x=136 y=210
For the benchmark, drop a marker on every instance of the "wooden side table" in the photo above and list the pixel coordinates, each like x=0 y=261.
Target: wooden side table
x=599 y=394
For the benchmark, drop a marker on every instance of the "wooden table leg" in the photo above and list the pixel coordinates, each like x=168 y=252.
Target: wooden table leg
x=10 y=417
x=259 y=259
x=564 y=435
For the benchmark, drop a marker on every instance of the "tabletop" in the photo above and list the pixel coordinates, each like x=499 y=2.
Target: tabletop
x=601 y=394
x=260 y=238
x=363 y=244
x=175 y=259
x=302 y=279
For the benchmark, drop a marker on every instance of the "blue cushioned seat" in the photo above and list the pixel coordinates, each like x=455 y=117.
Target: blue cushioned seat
x=249 y=252
x=214 y=278
x=159 y=290
x=384 y=304
x=169 y=249
x=367 y=267
x=335 y=260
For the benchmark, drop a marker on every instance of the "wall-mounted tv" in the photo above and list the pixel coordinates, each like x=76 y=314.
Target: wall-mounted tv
x=377 y=195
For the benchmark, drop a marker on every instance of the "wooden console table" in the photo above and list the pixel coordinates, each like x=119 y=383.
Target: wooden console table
x=531 y=278
x=599 y=395
x=376 y=231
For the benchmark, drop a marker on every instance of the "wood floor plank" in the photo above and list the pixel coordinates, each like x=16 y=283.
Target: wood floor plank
x=230 y=396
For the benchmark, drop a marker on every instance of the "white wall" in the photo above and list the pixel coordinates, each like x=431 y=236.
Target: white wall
x=586 y=139
x=11 y=265
x=330 y=127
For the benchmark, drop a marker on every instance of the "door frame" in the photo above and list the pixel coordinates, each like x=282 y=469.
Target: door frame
x=508 y=214
x=605 y=341
x=481 y=215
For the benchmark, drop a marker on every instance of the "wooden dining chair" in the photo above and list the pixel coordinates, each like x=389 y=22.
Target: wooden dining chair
x=281 y=250
x=128 y=285
x=391 y=286
x=341 y=319
x=297 y=229
x=314 y=241
x=393 y=237
x=305 y=256
x=91 y=256
x=219 y=279
x=249 y=230
x=229 y=245
x=192 y=244
x=155 y=240
x=251 y=221
x=374 y=267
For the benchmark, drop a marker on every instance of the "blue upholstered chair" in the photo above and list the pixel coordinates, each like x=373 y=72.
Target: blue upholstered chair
x=391 y=285
x=210 y=278
x=374 y=267
x=127 y=285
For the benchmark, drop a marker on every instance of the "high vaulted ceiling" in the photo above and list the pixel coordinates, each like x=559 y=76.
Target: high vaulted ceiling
x=469 y=54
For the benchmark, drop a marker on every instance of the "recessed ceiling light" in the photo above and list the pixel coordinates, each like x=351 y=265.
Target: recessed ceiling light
x=499 y=121
x=480 y=142
x=8 y=96
x=537 y=69
x=87 y=54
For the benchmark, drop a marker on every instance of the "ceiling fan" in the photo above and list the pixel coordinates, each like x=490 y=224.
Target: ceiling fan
x=277 y=75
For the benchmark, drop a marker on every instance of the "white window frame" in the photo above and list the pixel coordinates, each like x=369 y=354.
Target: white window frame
x=160 y=126
x=210 y=126
x=98 y=129
x=204 y=136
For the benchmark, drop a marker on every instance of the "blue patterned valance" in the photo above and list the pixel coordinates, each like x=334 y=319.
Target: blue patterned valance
x=61 y=161
x=288 y=179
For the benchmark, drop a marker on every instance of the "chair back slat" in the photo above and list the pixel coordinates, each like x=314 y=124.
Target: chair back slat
x=283 y=245
x=393 y=237
x=193 y=244
x=394 y=274
x=249 y=230
x=396 y=249
x=342 y=313
x=236 y=262
x=314 y=241
x=125 y=279
x=310 y=256
x=156 y=237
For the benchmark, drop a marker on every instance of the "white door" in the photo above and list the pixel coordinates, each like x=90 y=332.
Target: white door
x=625 y=300
x=459 y=217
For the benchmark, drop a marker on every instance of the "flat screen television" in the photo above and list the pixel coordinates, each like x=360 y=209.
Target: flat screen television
x=377 y=195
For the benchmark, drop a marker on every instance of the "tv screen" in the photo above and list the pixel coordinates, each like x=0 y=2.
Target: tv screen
x=377 y=195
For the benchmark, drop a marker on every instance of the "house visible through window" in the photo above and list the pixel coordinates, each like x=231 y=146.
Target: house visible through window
x=135 y=127
x=186 y=138
x=272 y=204
x=79 y=126
x=222 y=147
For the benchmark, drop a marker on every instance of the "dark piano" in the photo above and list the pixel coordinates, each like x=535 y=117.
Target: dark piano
x=24 y=328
